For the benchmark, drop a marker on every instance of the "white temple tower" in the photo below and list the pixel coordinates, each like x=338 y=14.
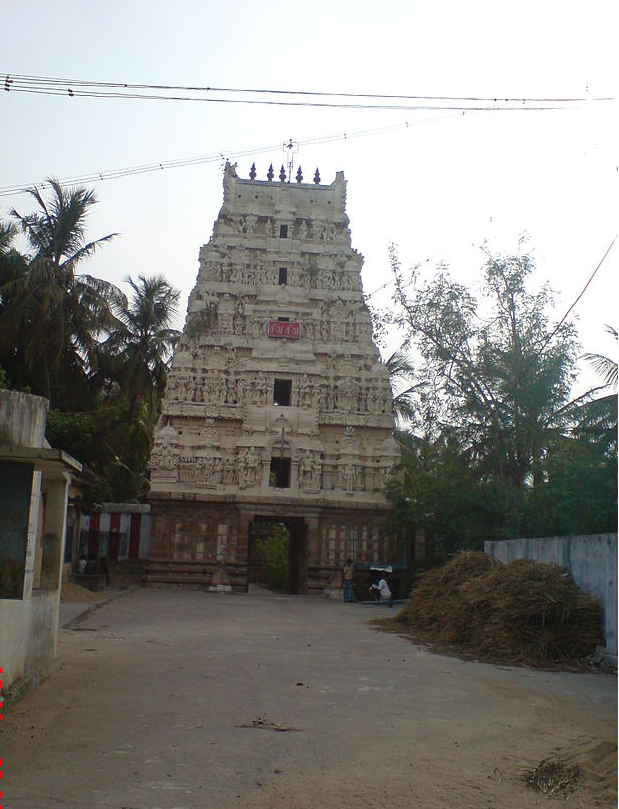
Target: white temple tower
x=277 y=406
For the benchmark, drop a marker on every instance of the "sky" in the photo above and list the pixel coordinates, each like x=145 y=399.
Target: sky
x=438 y=183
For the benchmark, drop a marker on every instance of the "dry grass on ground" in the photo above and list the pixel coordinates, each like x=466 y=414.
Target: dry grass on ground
x=522 y=612
x=588 y=765
x=75 y=594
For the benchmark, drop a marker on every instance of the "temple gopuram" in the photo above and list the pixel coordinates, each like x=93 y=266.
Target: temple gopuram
x=277 y=408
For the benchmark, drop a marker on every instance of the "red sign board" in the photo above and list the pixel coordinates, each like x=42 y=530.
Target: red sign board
x=284 y=328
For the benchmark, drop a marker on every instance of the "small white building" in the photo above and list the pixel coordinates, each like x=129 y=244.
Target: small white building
x=34 y=491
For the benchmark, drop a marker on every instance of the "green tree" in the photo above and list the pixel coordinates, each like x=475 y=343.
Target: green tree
x=114 y=438
x=401 y=371
x=13 y=267
x=274 y=552
x=8 y=253
x=575 y=494
x=596 y=417
x=497 y=447
x=142 y=342
x=57 y=313
x=605 y=367
x=495 y=376
x=114 y=451
x=100 y=356
x=439 y=496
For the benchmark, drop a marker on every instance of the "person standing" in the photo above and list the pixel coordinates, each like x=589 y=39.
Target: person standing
x=348 y=573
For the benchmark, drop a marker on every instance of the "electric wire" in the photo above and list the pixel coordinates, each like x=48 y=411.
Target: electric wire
x=27 y=80
x=97 y=176
x=565 y=316
x=111 y=90
x=271 y=103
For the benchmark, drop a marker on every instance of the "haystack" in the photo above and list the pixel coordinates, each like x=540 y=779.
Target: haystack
x=521 y=612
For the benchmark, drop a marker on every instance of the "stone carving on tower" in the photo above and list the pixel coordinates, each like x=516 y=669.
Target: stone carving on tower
x=277 y=402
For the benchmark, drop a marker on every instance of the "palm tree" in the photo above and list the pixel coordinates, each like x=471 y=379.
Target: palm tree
x=605 y=367
x=13 y=267
x=12 y=263
x=8 y=232
x=401 y=370
x=59 y=313
x=597 y=418
x=143 y=340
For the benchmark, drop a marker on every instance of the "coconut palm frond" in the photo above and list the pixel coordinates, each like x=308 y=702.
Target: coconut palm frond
x=399 y=365
x=604 y=367
x=8 y=231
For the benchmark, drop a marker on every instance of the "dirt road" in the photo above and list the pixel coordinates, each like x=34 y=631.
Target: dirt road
x=170 y=700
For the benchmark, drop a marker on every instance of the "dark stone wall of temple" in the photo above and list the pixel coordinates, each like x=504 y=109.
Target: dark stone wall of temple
x=199 y=544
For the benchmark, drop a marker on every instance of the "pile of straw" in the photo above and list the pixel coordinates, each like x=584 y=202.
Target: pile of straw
x=552 y=777
x=521 y=612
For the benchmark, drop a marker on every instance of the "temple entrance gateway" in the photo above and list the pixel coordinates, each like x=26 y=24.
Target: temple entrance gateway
x=277 y=553
x=277 y=408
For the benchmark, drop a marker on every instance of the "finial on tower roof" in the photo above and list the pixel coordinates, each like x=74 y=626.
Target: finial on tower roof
x=317 y=176
x=270 y=173
x=252 y=172
x=299 y=175
x=282 y=174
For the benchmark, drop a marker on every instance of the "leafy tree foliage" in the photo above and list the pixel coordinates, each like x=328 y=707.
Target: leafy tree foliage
x=496 y=381
x=497 y=447
x=100 y=356
x=57 y=313
x=274 y=551
x=400 y=371
x=596 y=419
x=114 y=450
x=4 y=381
x=439 y=495
x=143 y=339
x=606 y=367
x=577 y=493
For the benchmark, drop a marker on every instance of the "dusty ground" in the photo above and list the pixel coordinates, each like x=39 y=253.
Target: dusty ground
x=175 y=699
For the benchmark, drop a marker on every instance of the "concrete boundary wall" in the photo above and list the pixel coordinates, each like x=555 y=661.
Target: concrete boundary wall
x=34 y=491
x=29 y=629
x=591 y=560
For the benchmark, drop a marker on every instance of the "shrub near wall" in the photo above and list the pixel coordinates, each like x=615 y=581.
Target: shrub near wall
x=274 y=551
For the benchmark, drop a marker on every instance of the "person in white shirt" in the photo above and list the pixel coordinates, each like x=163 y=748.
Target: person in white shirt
x=380 y=591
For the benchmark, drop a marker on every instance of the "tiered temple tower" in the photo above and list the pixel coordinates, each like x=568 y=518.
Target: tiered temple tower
x=277 y=406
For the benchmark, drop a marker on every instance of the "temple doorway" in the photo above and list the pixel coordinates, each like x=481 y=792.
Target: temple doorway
x=277 y=553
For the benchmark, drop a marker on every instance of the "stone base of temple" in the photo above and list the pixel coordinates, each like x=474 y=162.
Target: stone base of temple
x=217 y=545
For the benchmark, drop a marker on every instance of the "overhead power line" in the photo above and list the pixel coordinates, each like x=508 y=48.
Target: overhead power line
x=114 y=174
x=86 y=88
x=45 y=80
x=582 y=292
